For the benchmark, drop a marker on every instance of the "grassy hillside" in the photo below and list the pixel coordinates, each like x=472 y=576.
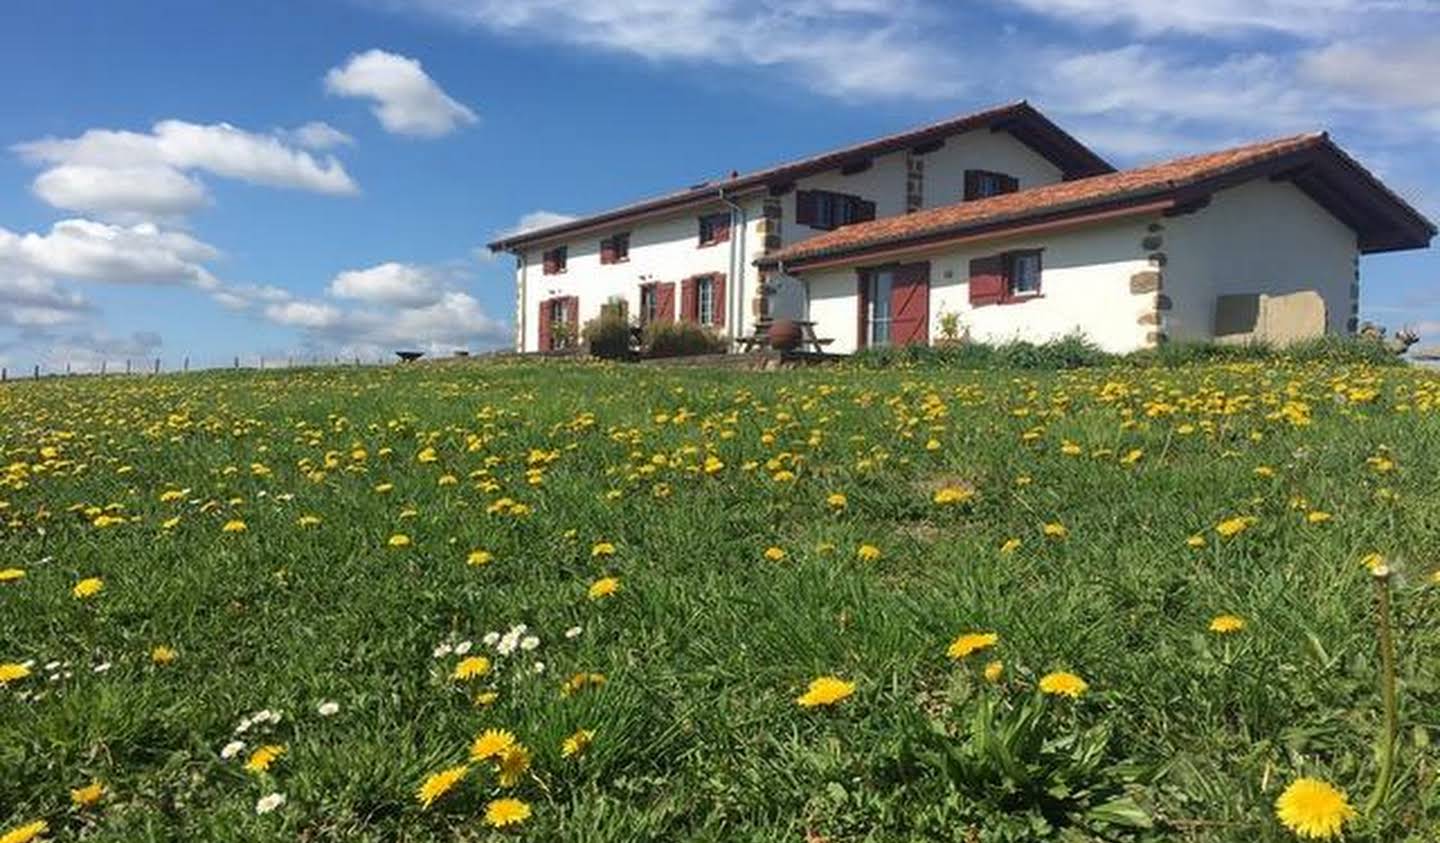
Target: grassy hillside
x=687 y=551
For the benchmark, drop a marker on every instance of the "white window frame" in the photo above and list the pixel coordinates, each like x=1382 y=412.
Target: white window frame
x=705 y=300
x=878 y=318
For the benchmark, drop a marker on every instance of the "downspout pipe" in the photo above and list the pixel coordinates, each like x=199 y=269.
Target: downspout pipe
x=735 y=289
x=522 y=283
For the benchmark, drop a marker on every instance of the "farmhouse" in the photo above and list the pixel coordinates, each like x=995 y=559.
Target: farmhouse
x=996 y=225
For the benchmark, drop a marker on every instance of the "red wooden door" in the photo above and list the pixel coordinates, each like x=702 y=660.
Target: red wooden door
x=910 y=304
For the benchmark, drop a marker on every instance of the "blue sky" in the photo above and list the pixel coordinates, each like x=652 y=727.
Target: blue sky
x=318 y=177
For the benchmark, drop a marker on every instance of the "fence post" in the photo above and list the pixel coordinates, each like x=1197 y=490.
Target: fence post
x=4 y=374
x=37 y=371
x=157 y=365
x=127 y=365
x=187 y=363
x=102 y=367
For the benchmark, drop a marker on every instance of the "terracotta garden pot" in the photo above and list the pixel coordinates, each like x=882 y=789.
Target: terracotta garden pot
x=785 y=335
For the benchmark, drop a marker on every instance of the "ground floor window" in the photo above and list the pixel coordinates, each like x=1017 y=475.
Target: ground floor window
x=877 y=306
x=649 y=303
x=705 y=300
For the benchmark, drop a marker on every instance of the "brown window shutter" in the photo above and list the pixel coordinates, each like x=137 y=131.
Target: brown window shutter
x=544 y=325
x=717 y=306
x=864 y=210
x=806 y=207
x=987 y=280
x=972 y=184
x=720 y=224
x=572 y=311
x=607 y=250
x=549 y=263
x=862 y=324
x=1008 y=184
x=665 y=301
x=688 y=303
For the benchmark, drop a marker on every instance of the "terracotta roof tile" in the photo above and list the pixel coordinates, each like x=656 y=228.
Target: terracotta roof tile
x=1041 y=201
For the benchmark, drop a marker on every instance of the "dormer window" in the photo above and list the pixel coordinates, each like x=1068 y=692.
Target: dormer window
x=981 y=184
x=555 y=260
x=714 y=228
x=615 y=248
x=826 y=210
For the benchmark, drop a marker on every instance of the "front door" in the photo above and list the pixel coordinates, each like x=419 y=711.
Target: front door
x=910 y=304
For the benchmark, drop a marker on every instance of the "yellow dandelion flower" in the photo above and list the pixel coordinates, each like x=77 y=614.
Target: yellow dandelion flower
x=384 y=488
x=1318 y=517
x=1314 y=809
x=1371 y=561
x=84 y=797
x=485 y=698
x=577 y=743
x=170 y=523
x=825 y=690
x=502 y=813
x=604 y=587
x=774 y=554
x=471 y=668
x=1010 y=546
x=1231 y=527
x=1056 y=530
x=837 y=500
x=25 y=833
x=163 y=655
x=994 y=671
x=867 y=553
x=952 y=495
x=438 y=784
x=447 y=480
x=88 y=587
x=1063 y=683
x=308 y=521
x=971 y=642
x=491 y=743
x=602 y=549
x=399 y=540
x=12 y=574
x=1196 y=540
x=427 y=456
x=580 y=681
x=514 y=762
x=1226 y=624
x=480 y=557
x=10 y=672
x=234 y=526
x=262 y=758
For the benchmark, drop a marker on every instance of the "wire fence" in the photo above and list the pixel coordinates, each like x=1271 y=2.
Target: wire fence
x=151 y=366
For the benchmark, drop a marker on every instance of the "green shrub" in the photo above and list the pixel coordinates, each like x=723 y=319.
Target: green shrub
x=608 y=335
x=680 y=339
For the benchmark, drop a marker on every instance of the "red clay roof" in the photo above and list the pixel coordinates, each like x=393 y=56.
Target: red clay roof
x=1332 y=176
x=1020 y=118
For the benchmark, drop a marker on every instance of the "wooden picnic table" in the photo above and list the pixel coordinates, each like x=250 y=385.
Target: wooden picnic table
x=760 y=338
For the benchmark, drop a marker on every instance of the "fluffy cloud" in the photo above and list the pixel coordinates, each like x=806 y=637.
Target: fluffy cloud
x=407 y=101
x=85 y=250
x=841 y=48
x=1390 y=72
x=395 y=305
x=123 y=192
x=123 y=174
x=534 y=221
x=27 y=300
x=397 y=284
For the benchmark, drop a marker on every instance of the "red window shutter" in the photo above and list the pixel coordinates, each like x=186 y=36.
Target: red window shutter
x=544 y=325
x=607 y=250
x=1008 y=184
x=572 y=311
x=717 y=305
x=722 y=227
x=864 y=210
x=987 y=280
x=550 y=266
x=689 y=306
x=862 y=320
x=806 y=207
x=665 y=302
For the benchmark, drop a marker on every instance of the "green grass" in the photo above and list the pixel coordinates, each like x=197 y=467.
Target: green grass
x=1182 y=735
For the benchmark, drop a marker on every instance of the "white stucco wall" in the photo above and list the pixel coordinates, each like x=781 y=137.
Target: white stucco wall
x=664 y=250
x=1260 y=237
x=1085 y=288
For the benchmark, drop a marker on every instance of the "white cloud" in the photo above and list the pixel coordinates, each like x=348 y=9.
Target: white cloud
x=534 y=221
x=86 y=250
x=123 y=173
x=27 y=300
x=407 y=100
x=299 y=314
x=839 y=48
x=1212 y=18
x=1389 y=72
x=387 y=284
x=150 y=191
x=317 y=134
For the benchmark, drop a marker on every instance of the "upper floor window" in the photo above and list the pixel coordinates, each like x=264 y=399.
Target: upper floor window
x=827 y=210
x=555 y=260
x=982 y=183
x=714 y=228
x=615 y=248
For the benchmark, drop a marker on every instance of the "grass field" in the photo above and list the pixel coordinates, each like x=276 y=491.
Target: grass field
x=687 y=550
